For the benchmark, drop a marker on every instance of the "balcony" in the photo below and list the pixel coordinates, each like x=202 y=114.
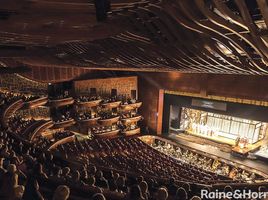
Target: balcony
x=131 y=120
x=132 y=132
x=109 y=121
x=108 y=134
x=60 y=102
x=111 y=105
x=132 y=106
x=88 y=104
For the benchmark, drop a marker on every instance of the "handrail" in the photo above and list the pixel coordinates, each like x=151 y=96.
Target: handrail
x=16 y=106
x=45 y=125
x=62 y=141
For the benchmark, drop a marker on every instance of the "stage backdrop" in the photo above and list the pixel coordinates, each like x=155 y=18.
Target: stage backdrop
x=246 y=111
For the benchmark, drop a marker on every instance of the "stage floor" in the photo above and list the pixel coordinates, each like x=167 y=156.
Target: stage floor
x=215 y=150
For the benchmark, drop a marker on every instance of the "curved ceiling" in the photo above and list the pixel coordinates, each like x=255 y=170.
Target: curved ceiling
x=192 y=36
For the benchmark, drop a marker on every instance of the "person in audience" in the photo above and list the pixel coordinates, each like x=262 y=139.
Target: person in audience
x=228 y=188
x=61 y=193
x=144 y=189
x=38 y=171
x=196 y=198
x=14 y=159
x=187 y=187
x=92 y=170
x=162 y=194
x=17 y=190
x=91 y=181
x=101 y=181
x=172 y=187
x=76 y=179
x=56 y=176
x=139 y=179
x=5 y=152
x=112 y=181
x=120 y=183
x=2 y=171
x=98 y=196
x=32 y=190
x=181 y=194
x=7 y=189
x=135 y=193
x=66 y=173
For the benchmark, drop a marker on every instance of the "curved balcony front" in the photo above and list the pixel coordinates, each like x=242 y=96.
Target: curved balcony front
x=10 y=110
x=132 y=132
x=128 y=107
x=44 y=125
x=108 y=134
x=88 y=104
x=62 y=141
x=64 y=124
x=60 y=102
x=109 y=121
x=88 y=122
x=36 y=103
x=131 y=120
x=110 y=105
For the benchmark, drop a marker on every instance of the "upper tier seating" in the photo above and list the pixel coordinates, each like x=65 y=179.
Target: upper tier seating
x=120 y=168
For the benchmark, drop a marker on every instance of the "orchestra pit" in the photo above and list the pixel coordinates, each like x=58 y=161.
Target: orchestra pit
x=133 y=99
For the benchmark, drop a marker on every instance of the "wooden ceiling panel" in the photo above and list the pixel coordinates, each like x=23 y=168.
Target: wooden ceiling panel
x=191 y=36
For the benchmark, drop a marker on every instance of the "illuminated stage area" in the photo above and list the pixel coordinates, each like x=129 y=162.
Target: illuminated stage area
x=222 y=128
x=236 y=128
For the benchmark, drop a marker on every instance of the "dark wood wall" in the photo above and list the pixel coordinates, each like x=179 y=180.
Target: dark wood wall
x=237 y=86
x=55 y=74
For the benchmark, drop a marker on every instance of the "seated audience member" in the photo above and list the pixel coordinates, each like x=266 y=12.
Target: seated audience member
x=196 y=198
x=181 y=194
x=91 y=181
x=5 y=152
x=66 y=173
x=8 y=183
x=17 y=190
x=120 y=183
x=228 y=188
x=162 y=194
x=98 y=196
x=144 y=189
x=14 y=159
x=61 y=193
x=56 y=176
x=38 y=171
x=76 y=179
x=101 y=181
x=92 y=170
x=187 y=187
x=32 y=190
x=172 y=187
x=135 y=193
x=2 y=171
x=139 y=179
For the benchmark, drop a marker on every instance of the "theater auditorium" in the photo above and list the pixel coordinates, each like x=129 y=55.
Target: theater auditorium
x=133 y=99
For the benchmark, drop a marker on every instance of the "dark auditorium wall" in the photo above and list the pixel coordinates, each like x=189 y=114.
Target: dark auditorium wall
x=123 y=85
x=236 y=86
x=55 y=74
